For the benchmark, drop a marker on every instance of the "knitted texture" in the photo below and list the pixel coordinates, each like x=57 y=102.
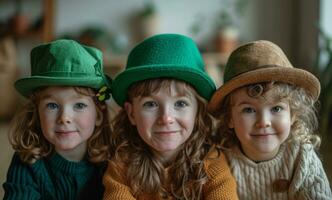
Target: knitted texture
x=296 y=172
x=51 y=178
x=221 y=184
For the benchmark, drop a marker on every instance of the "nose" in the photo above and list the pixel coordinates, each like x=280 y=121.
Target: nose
x=263 y=120
x=165 y=117
x=64 y=117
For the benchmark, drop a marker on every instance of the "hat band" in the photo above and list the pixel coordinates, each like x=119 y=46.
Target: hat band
x=64 y=74
x=239 y=72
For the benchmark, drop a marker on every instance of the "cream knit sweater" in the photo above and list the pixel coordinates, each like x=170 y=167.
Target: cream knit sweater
x=295 y=173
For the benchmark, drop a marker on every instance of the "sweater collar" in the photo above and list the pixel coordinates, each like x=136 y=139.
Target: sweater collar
x=60 y=163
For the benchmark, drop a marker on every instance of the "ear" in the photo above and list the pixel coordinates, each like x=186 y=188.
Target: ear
x=130 y=113
x=293 y=117
x=230 y=123
x=99 y=118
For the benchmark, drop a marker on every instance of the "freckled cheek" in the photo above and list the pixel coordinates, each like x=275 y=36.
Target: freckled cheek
x=87 y=121
x=47 y=119
x=188 y=124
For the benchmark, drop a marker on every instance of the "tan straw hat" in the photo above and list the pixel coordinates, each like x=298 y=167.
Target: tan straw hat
x=261 y=61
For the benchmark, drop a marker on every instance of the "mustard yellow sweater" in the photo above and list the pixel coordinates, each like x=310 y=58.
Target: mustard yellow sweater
x=221 y=184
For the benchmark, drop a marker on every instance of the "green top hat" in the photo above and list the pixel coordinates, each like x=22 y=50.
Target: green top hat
x=164 y=56
x=63 y=63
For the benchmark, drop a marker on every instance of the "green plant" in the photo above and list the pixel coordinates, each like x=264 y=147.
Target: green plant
x=148 y=10
x=323 y=70
x=228 y=15
x=231 y=11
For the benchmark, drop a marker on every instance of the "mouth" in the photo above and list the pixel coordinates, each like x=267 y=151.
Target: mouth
x=262 y=135
x=63 y=132
x=165 y=132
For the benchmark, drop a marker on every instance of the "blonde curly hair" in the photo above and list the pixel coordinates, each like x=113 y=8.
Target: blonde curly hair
x=302 y=106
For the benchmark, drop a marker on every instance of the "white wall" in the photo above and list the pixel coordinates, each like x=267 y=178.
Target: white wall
x=174 y=15
x=326 y=16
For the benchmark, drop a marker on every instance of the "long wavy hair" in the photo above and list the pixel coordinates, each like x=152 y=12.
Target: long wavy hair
x=303 y=110
x=144 y=172
x=27 y=139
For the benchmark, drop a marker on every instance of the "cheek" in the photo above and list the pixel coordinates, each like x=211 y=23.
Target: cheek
x=144 y=122
x=187 y=121
x=46 y=120
x=87 y=120
x=285 y=124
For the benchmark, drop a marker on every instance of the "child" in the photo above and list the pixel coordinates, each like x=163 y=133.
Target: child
x=161 y=136
x=267 y=110
x=61 y=135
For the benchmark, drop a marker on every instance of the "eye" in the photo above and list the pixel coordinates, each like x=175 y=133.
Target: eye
x=80 y=106
x=277 y=109
x=248 y=110
x=150 y=104
x=181 y=104
x=52 y=106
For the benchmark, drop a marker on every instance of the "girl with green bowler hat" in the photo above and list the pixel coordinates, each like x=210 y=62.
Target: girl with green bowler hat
x=61 y=136
x=163 y=135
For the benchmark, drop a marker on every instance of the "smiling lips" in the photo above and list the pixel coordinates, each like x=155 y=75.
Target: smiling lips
x=65 y=132
x=165 y=132
x=262 y=135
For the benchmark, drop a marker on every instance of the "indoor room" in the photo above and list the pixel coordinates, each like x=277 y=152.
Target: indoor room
x=302 y=29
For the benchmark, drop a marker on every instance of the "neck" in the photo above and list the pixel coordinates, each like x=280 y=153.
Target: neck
x=165 y=158
x=74 y=155
x=259 y=156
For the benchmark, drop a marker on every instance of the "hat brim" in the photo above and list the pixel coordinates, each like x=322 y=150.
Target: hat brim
x=201 y=82
x=293 y=76
x=26 y=86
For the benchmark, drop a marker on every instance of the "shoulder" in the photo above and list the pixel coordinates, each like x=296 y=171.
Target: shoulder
x=17 y=163
x=304 y=153
x=20 y=172
x=215 y=163
x=309 y=175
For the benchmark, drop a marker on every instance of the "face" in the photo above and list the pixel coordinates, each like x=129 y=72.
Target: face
x=260 y=124
x=164 y=120
x=67 y=119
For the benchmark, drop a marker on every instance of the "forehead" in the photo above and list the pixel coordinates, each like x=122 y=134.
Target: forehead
x=168 y=86
x=60 y=92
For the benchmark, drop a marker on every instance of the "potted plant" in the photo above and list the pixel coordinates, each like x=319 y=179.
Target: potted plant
x=226 y=30
x=19 y=23
x=148 y=19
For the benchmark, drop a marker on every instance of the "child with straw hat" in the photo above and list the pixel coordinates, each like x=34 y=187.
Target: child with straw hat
x=268 y=124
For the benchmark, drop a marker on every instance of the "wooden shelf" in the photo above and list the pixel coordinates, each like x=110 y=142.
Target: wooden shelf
x=20 y=26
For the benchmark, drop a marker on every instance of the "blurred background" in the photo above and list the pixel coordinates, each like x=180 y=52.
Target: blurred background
x=303 y=29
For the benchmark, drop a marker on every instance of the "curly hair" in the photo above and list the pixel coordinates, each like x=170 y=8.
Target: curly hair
x=303 y=109
x=145 y=174
x=27 y=139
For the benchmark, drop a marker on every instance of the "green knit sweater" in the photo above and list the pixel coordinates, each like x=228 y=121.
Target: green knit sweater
x=53 y=178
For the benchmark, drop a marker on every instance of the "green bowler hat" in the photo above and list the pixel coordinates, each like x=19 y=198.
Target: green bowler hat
x=63 y=63
x=164 y=56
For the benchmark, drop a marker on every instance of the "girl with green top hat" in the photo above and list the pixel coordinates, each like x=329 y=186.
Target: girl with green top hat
x=61 y=136
x=268 y=125
x=162 y=136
